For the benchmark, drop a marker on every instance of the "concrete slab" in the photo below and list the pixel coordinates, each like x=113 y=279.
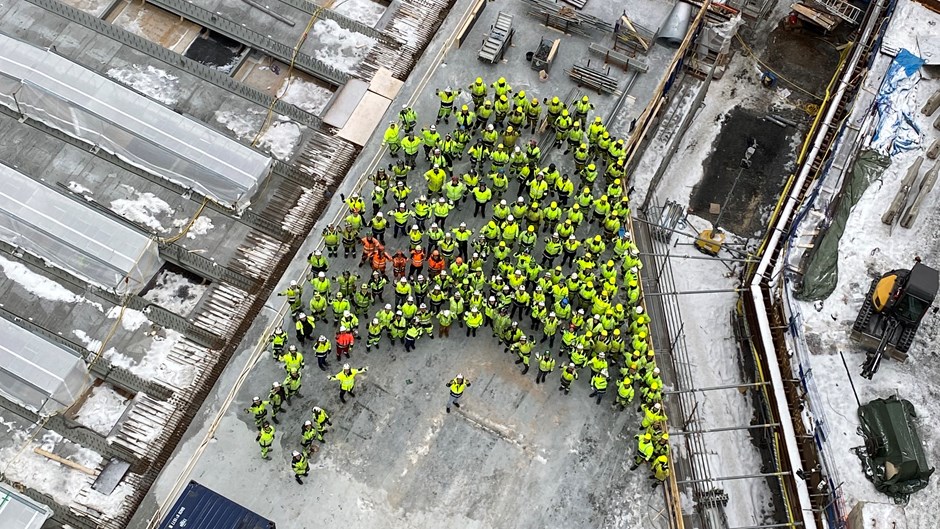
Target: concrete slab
x=92 y=7
x=384 y=84
x=155 y=24
x=345 y=103
x=365 y=119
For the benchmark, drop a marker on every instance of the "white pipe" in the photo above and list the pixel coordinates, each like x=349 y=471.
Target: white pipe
x=776 y=377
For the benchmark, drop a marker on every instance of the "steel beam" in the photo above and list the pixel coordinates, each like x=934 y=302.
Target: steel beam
x=725 y=429
x=715 y=388
x=731 y=478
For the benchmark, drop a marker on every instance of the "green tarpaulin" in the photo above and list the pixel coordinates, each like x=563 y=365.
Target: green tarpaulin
x=893 y=457
x=822 y=268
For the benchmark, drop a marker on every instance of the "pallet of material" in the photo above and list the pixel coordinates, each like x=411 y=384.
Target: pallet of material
x=578 y=4
x=599 y=80
x=824 y=20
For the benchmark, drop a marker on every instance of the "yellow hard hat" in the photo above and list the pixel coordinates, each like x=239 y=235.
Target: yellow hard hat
x=503 y=98
x=535 y=101
x=502 y=80
x=479 y=80
x=555 y=100
x=585 y=99
x=464 y=108
x=521 y=94
x=564 y=112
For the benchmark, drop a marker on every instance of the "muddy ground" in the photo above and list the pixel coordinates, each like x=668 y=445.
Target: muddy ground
x=758 y=185
x=805 y=56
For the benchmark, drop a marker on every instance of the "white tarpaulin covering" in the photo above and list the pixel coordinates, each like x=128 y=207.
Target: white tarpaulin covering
x=38 y=374
x=49 y=88
x=19 y=511
x=74 y=237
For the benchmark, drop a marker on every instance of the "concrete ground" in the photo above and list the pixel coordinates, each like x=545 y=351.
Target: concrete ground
x=515 y=455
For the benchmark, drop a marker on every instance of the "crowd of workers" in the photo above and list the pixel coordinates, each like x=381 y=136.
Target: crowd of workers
x=551 y=272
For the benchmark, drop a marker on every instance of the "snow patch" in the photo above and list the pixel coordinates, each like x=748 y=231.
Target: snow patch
x=280 y=139
x=339 y=47
x=75 y=187
x=102 y=409
x=37 y=284
x=304 y=94
x=201 y=226
x=90 y=343
x=60 y=482
x=144 y=209
x=152 y=82
x=156 y=363
x=132 y=319
x=365 y=11
x=176 y=292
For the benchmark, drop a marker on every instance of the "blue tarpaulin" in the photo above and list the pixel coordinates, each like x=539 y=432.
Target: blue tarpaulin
x=895 y=129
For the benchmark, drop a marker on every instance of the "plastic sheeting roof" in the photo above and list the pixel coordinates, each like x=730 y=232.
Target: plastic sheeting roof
x=49 y=88
x=19 y=511
x=74 y=237
x=38 y=374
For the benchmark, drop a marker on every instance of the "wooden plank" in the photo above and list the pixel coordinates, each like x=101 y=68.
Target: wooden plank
x=365 y=118
x=71 y=464
x=823 y=20
x=344 y=103
x=629 y=23
x=384 y=84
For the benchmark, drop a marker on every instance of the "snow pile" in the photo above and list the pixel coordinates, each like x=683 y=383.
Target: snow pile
x=102 y=409
x=40 y=285
x=156 y=363
x=75 y=187
x=280 y=138
x=152 y=82
x=90 y=343
x=132 y=319
x=144 y=209
x=365 y=11
x=201 y=226
x=304 y=94
x=61 y=482
x=339 y=47
x=176 y=292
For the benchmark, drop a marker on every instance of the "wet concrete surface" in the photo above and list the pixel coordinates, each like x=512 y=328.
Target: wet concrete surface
x=758 y=185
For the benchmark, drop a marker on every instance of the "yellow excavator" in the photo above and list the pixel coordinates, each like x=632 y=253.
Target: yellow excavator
x=892 y=311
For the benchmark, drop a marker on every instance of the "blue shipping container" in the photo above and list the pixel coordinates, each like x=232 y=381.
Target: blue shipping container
x=201 y=508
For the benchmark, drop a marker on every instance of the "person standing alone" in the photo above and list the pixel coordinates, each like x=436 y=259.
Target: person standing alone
x=457 y=387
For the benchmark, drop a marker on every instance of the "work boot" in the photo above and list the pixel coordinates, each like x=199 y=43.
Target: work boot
x=456 y=404
x=448 y=409
x=275 y=421
x=525 y=370
x=296 y=477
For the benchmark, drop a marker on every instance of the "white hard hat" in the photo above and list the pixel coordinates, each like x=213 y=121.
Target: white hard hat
x=293 y=282
x=460 y=375
x=342 y=328
x=317 y=409
x=388 y=306
x=345 y=366
x=276 y=385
